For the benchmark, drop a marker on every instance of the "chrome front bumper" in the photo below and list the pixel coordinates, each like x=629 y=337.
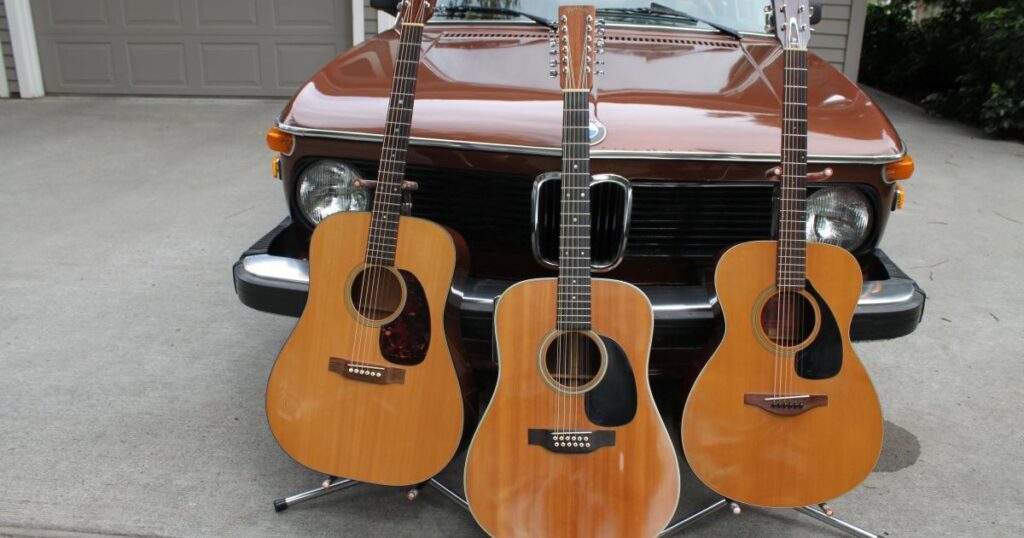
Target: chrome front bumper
x=480 y=294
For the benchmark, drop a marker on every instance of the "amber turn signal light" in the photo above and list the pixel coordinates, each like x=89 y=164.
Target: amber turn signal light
x=900 y=170
x=280 y=141
x=901 y=198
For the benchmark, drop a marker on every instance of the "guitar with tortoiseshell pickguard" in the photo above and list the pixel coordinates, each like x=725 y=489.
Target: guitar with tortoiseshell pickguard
x=784 y=414
x=370 y=386
x=572 y=444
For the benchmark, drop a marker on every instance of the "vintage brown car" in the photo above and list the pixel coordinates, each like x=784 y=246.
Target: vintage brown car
x=686 y=123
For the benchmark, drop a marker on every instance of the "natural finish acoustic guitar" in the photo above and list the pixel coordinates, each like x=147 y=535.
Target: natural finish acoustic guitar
x=571 y=444
x=368 y=387
x=784 y=414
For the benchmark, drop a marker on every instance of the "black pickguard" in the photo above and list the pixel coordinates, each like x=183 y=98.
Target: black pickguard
x=405 y=339
x=613 y=401
x=824 y=357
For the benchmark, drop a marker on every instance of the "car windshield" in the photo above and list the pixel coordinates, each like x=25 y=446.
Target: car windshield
x=743 y=15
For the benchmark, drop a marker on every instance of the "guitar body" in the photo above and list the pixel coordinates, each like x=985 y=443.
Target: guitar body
x=357 y=424
x=793 y=456
x=519 y=488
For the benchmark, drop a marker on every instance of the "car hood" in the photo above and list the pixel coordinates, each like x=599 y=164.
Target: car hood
x=666 y=94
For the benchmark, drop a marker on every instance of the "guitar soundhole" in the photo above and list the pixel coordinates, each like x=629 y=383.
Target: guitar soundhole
x=377 y=293
x=788 y=318
x=573 y=361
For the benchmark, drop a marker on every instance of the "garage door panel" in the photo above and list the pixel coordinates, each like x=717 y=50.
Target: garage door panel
x=73 y=13
x=304 y=13
x=228 y=13
x=230 y=65
x=157 y=65
x=85 y=64
x=153 y=13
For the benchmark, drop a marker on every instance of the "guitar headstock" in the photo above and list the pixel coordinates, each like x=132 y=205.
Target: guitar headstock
x=578 y=41
x=793 y=23
x=416 y=11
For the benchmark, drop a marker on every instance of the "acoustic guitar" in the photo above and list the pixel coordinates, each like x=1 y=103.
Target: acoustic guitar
x=784 y=413
x=367 y=386
x=571 y=444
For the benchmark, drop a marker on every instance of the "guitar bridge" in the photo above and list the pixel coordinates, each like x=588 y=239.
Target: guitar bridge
x=571 y=442
x=380 y=375
x=786 y=405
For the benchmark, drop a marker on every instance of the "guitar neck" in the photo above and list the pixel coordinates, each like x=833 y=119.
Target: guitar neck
x=387 y=201
x=574 y=247
x=792 y=254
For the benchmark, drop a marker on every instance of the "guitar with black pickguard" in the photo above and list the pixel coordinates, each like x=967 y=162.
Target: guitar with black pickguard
x=784 y=413
x=572 y=444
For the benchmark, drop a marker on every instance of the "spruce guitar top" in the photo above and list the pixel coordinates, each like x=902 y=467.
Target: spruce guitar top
x=571 y=444
x=369 y=386
x=784 y=414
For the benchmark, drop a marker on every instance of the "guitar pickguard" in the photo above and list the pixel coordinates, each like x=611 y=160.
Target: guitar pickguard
x=405 y=339
x=613 y=401
x=823 y=358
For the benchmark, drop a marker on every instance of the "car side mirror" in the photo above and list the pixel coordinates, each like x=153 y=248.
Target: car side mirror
x=816 y=9
x=391 y=6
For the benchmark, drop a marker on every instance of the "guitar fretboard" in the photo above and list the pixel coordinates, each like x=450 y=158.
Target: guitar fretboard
x=792 y=253
x=387 y=203
x=574 y=239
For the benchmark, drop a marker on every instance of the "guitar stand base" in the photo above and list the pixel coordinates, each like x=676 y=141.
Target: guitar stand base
x=333 y=484
x=822 y=513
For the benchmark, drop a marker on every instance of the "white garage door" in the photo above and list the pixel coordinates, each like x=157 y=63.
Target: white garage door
x=187 y=47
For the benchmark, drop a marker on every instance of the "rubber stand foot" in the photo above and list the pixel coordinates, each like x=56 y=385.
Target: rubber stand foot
x=280 y=505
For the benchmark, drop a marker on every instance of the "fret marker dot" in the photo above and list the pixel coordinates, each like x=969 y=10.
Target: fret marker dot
x=574 y=219
x=582 y=195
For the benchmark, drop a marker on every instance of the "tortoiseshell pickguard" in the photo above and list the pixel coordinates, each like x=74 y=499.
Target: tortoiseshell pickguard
x=405 y=340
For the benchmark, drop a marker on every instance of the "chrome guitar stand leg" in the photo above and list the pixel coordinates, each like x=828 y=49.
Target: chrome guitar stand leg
x=333 y=484
x=445 y=490
x=821 y=512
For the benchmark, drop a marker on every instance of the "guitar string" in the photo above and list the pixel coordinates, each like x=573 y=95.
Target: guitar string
x=382 y=241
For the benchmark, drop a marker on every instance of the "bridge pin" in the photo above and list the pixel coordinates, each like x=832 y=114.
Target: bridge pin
x=588 y=445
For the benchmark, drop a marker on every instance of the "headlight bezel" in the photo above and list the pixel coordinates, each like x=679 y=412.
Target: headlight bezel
x=872 y=200
x=299 y=180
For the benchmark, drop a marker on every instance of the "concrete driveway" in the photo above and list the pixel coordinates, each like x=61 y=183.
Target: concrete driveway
x=132 y=380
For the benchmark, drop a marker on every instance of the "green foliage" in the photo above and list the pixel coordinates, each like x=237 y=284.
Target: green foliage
x=967 y=62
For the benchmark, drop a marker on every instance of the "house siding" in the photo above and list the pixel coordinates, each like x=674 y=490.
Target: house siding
x=8 y=52
x=837 y=38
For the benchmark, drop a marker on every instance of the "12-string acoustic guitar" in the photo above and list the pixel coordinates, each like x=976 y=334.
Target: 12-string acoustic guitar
x=367 y=386
x=784 y=413
x=571 y=444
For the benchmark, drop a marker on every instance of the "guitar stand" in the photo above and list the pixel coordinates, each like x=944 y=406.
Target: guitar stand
x=333 y=484
x=822 y=513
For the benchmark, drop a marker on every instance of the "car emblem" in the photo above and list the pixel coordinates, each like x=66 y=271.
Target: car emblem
x=597 y=132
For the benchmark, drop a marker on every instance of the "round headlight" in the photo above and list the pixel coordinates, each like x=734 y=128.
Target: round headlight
x=839 y=216
x=325 y=188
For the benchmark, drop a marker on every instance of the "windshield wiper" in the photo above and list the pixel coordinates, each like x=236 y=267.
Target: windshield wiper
x=658 y=10
x=463 y=9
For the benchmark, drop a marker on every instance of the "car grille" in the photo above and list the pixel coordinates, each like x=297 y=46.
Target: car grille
x=493 y=213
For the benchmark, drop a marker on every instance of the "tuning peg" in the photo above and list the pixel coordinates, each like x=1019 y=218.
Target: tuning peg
x=600 y=43
x=553 y=63
x=600 y=31
x=553 y=41
x=553 y=73
x=599 y=62
x=767 y=8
